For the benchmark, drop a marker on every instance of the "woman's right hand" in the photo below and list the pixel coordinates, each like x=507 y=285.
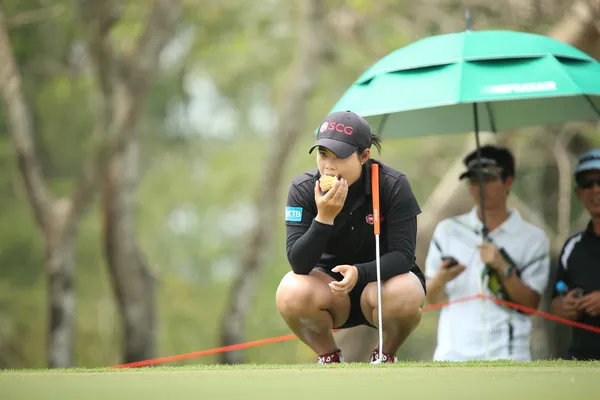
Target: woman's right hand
x=330 y=204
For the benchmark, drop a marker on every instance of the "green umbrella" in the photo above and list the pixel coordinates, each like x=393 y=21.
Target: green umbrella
x=507 y=79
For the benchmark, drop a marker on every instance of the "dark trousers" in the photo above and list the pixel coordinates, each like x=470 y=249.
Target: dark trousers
x=584 y=355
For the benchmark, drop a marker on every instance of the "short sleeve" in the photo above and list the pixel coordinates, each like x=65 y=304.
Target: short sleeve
x=536 y=269
x=562 y=270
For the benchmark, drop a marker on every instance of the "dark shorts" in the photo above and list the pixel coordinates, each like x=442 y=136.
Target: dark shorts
x=356 y=316
x=582 y=355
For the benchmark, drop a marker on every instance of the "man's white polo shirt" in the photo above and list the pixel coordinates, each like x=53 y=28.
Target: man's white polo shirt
x=480 y=329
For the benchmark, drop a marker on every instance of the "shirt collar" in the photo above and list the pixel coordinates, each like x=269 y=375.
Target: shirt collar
x=366 y=173
x=511 y=225
x=360 y=185
x=589 y=230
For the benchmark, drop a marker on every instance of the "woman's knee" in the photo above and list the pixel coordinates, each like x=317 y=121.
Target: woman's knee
x=295 y=294
x=404 y=295
x=401 y=297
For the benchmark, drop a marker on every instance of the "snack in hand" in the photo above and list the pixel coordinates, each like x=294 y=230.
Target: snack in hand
x=326 y=182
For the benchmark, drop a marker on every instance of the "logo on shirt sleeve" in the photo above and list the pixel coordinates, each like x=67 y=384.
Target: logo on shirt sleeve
x=293 y=214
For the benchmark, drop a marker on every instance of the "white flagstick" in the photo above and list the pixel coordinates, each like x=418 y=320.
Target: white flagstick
x=379 y=299
x=376 y=230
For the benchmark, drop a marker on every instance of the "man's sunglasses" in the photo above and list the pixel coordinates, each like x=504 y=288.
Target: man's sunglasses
x=588 y=183
x=487 y=176
x=474 y=180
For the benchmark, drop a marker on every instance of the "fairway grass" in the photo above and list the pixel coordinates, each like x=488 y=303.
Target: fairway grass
x=478 y=380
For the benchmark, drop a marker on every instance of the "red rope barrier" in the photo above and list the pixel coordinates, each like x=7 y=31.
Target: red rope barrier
x=448 y=303
x=542 y=314
x=207 y=352
x=284 y=338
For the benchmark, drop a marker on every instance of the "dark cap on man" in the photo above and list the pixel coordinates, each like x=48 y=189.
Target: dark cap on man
x=343 y=132
x=491 y=158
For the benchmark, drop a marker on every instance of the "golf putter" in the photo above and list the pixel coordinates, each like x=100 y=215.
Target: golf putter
x=376 y=231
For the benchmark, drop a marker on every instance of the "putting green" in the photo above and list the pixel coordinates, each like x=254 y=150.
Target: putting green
x=483 y=381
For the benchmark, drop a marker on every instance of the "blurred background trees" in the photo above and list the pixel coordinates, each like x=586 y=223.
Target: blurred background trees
x=146 y=151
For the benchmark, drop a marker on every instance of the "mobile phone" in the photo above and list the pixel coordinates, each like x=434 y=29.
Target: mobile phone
x=453 y=261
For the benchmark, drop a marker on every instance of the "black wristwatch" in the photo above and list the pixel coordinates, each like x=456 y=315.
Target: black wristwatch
x=508 y=271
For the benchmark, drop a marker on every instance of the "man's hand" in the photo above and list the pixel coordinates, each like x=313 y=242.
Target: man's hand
x=330 y=204
x=343 y=287
x=590 y=303
x=490 y=255
x=571 y=305
x=446 y=274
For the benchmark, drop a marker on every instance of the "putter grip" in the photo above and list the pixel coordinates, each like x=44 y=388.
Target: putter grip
x=375 y=196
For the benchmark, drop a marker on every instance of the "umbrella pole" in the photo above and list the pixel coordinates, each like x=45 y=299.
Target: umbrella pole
x=484 y=229
x=382 y=124
x=469 y=19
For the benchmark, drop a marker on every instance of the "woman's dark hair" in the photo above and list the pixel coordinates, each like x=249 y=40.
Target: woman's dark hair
x=375 y=141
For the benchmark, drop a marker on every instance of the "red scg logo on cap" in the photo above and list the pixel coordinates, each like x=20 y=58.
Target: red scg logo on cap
x=333 y=126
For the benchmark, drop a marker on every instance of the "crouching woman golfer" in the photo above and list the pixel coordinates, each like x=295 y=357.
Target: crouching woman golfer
x=331 y=245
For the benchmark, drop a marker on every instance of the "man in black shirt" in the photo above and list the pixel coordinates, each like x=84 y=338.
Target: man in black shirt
x=331 y=245
x=579 y=265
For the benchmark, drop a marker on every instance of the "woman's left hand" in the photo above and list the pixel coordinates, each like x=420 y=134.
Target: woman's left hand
x=343 y=287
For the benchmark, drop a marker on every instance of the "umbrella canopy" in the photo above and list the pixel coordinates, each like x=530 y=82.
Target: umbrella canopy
x=515 y=79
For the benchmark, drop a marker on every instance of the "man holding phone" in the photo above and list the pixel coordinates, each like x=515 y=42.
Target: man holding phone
x=517 y=254
x=579 y=265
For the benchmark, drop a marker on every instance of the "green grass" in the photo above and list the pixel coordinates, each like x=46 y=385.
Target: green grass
x=474 y=380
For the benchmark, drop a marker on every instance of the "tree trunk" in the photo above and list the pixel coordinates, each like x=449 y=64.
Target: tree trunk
x=309 y=57
x=132 y=281
x=61 y=301
x=60 y=265
x=581 y=27
x=123 y=93
x=51 y=216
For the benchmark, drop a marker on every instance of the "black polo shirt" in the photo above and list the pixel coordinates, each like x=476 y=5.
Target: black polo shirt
x=351 y=240
x=579 y=267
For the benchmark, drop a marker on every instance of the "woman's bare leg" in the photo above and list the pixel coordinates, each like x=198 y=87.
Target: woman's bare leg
x=401 y=299
x=311 y=310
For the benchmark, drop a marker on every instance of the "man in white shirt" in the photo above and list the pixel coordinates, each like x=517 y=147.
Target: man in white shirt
x=514 y=261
